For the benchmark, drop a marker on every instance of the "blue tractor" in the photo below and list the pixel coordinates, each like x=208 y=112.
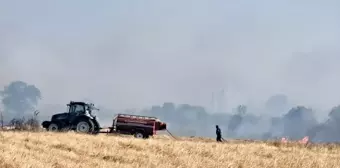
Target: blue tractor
x=79 y=118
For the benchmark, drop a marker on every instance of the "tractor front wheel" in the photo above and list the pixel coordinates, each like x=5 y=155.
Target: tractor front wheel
x=53 y=127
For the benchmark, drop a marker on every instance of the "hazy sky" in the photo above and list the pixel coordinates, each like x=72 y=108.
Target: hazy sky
x=139 y=53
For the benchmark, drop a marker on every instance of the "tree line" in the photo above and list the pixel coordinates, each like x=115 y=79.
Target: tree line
x=20 y=100
x=294 y=122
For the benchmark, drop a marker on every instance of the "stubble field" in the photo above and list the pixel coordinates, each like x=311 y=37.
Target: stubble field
x=71 y=150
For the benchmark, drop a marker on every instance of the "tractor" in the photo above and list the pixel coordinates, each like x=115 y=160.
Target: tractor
x=79 y=118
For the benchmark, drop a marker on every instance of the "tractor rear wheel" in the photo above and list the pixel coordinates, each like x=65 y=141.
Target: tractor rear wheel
x=95 y=127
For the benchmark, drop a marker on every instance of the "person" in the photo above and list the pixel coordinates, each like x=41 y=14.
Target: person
x=218 y=134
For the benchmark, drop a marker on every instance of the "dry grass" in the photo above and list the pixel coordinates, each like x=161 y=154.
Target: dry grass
x=63 y=150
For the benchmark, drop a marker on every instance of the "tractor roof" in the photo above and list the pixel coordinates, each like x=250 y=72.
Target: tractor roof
x=74 y=102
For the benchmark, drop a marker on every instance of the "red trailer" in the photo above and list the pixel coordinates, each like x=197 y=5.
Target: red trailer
x=137 y=125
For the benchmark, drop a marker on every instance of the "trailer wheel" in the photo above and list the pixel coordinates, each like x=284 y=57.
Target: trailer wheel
x=139 y=135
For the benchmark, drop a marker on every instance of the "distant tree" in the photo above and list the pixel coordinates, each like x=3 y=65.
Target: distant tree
x=169 y=110
x=186 y=112
x=23 y=124
x=184 y=107
x=201 y=114
x=169 y=107
x=32 y=123
x=320 y=128
x=334 y=114
x=329 y=130
x=298 y=121
x=154 y=111
x=18 y=123
x=19 y=97
x=241 y=110
x=236 y=120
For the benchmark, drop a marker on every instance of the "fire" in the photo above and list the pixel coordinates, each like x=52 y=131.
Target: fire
x=304 y=140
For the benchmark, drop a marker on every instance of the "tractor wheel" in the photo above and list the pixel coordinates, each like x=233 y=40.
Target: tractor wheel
x=95 y=131
x=53 y=127
x=95 y=128
x=84 y=126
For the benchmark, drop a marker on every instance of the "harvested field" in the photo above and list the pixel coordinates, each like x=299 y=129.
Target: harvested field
x=71 y=150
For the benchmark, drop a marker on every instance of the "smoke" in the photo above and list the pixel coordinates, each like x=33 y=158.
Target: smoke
x=126 y=55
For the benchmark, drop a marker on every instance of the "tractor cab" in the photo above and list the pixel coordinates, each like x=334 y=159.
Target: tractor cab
x=81 y=108
x=76 y=107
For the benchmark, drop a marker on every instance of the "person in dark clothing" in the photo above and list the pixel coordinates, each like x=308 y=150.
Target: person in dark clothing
x=218 y=134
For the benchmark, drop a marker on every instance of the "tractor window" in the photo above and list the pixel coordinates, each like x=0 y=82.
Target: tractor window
x=71 y=109
x=77 y=108
x=68 y=108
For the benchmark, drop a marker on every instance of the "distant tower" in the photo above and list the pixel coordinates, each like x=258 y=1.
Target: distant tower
x=222 y=105
x=213 y=102
x=218 y=102
x=221 y=101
